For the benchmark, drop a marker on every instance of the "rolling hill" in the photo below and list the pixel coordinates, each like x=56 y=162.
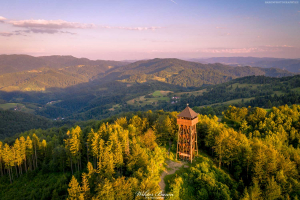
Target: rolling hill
x=28 y=73
x=292 y=65
x=188 y=74
x=18 y=63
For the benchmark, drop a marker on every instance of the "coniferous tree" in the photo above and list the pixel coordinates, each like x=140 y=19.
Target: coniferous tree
x=85 y=186
x=8 y=158
x=23 y=151
x=29 y=151
x=74 y=189
x=35 y=143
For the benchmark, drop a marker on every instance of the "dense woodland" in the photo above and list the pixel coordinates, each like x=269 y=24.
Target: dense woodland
x=251 y=154
x=94 y=100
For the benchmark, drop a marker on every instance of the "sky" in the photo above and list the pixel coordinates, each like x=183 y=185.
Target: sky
x=144 y=29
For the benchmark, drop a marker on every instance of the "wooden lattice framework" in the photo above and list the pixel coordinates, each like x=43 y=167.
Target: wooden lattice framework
x=187 y=145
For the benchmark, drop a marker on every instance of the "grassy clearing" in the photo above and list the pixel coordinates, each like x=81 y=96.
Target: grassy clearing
x=196 y=93
x=234 y=101
x=158 y=95
x=115 y=107
x=17 y=106
x=7 y=106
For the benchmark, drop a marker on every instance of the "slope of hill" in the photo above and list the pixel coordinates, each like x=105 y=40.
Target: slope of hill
x=253 y=154
x=292 y=65
x=18 y=63
x=189 y=74
x=27 y=73
x=12 y=122
x=39 y=73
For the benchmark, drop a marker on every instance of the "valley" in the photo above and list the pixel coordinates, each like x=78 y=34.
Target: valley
x=128 y=112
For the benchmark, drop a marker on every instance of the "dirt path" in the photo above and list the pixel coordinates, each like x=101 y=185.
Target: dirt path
x=172 y=167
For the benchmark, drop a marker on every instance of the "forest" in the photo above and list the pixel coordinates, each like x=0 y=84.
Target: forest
x=252 y=153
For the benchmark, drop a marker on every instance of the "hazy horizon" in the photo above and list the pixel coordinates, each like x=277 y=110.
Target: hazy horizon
x=135 y=30
x=134 y=60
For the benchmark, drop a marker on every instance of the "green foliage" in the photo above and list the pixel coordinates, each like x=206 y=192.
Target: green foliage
x=202 y=181
x=12 y=122
x=119 y=158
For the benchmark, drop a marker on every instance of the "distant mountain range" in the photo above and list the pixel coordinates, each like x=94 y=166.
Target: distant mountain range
x=28 y=73
x=189 y=74
x=18 y=63
x=292 y=65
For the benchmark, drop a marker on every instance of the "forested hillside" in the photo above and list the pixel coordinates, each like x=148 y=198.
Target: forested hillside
x=27 y=73
x=115 y=158
x=18 y=63
x=12 y=122
x=189 y=74
x=292 y=65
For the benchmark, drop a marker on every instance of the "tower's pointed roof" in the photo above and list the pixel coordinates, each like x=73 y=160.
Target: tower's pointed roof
x=188 y=112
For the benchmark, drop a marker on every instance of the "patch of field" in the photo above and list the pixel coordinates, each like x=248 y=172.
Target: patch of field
x=115 y=107
x=165 y=93
x=17 y=107
x=158 y=95
x=196 y=93
x=234 y=101
x=7 y=106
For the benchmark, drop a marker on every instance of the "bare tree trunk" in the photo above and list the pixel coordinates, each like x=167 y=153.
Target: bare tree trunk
x=1 y=168
x=35 y=156
x=33 y=162
x=25 y=165
x=87 y=151
x=9 y=176
x=71 y=166
x=16 y=170
x=12 y=175
x=80 y=163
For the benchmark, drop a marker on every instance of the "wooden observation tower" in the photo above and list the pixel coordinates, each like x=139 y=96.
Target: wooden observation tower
x=187 y=134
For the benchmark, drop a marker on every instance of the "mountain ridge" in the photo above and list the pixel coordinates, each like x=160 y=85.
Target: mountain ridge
x=292 y=65
x=65 y=71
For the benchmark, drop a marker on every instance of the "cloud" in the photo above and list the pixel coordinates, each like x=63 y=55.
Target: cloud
x=2 y=19
x=173 y=1
x=25 y=32
x=152 y=28
x=48 y=31
x=42 y=26
x=6 y=34
x=50 y=24
x=47 y=26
